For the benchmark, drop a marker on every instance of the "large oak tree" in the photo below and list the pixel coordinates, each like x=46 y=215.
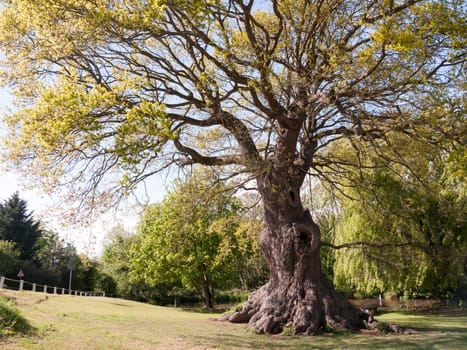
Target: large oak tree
x=127 y=87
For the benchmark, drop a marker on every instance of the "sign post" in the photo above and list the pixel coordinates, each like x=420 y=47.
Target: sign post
x=71 y=265
x=21 y=282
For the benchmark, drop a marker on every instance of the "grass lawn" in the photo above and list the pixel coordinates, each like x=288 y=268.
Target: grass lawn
x=86 y=323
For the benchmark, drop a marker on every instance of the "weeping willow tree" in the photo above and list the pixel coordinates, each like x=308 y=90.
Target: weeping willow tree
x=407 y=227
x=111 y=92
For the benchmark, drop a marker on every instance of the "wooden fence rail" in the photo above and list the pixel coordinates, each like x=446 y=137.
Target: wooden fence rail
x=8 y=283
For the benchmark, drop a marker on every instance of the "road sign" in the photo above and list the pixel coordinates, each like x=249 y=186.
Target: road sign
x=20 y=274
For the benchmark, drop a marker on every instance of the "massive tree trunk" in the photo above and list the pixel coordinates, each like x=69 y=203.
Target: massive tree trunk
x=298 y=296
x=206 y=289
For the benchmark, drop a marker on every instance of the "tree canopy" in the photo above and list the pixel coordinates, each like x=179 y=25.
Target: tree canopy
x=110 y=87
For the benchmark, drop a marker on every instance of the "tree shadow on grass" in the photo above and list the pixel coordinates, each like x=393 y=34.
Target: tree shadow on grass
x=257 y=342
x=450 y=336
x=446 y=329
x=119 y=304
x=12 y=322
x=203 y=310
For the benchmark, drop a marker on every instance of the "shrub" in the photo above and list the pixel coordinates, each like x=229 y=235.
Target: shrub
x=11 y=322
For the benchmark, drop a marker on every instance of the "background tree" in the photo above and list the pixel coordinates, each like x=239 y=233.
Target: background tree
x=18 y=226
x=111 y=88
x=322 y=201
x=418 y=221
x=50 y=249
x=115 y=261
x=39 y=252
x=86 y=274
x=51 y=259
x=240 y=253
x=191 y=238
x=9 y=258
x=251 y=266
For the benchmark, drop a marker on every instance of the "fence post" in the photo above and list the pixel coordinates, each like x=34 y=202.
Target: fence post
x=2 y=282
x=63 y=291
x=33 y=287
x=55 y=290
x=21 y=283
x=45 y=288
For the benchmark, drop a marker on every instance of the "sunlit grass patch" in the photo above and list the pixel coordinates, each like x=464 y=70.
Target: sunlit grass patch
x=95 y=323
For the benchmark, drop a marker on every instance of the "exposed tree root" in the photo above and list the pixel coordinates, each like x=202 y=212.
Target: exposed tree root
x=301 y=310
x=274 y=310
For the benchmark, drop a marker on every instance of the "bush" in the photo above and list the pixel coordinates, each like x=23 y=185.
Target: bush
x=231 y=297
x=11 y=322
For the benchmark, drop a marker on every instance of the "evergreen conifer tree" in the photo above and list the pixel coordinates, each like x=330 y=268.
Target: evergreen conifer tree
x=18 y=225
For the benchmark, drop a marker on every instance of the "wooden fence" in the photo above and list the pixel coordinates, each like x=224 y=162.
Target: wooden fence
x=400 y=305
x=8 y=283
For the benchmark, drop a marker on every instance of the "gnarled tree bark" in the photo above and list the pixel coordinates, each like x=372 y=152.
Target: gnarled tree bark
x=298 y=295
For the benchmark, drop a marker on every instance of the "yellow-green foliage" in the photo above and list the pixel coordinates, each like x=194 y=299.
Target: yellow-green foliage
x=115 y=91
x=196 y=237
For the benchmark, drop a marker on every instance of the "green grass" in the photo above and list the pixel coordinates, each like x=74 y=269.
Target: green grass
x=11 y=321
x=69 y=322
